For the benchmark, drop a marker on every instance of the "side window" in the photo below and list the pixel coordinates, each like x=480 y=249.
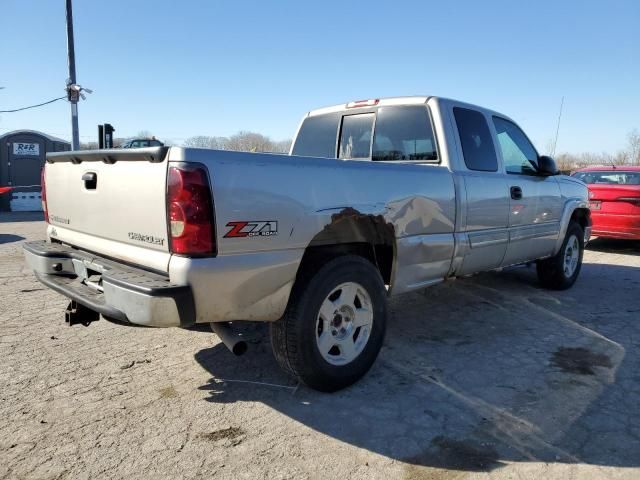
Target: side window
x=404 y=133
x=518 y=154
x=135 y=144
x=355 y=136
x=477 y=145
x=317 y=136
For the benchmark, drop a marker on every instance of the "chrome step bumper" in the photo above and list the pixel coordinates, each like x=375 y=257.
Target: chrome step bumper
x=113 y=289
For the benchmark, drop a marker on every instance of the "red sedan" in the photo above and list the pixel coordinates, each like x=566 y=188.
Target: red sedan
x=614 y=197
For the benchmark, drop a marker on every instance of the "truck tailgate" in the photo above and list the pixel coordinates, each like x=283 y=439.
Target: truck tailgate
x=111 y=202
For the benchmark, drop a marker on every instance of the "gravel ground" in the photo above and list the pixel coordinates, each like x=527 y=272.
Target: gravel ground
x=487 y=377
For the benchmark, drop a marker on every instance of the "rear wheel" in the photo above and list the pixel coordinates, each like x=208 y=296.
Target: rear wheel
x=334 y=325
x=561 y=271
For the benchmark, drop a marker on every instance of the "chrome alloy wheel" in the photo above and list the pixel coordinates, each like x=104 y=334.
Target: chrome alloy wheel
x=344 y=323
x=571 y=256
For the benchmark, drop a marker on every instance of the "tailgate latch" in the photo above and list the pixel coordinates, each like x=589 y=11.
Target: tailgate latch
x=90 y=180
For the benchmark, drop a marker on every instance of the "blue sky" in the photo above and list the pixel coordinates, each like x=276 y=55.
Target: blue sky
x=187 y=68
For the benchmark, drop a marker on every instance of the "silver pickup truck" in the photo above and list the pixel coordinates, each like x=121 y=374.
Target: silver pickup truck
x=378 y=197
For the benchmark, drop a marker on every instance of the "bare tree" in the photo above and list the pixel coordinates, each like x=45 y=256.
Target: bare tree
x=282 y=146
x=633 y=146
x=203 y=141
x=566 y=162
x=249 y=142
x=117 y=142
x=620 y=158
x=88 y=145
x=144 y=134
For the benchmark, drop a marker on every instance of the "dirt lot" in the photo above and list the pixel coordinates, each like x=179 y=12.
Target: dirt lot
x=489 y=377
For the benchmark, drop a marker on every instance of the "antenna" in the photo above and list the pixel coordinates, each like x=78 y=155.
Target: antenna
x=555 y=143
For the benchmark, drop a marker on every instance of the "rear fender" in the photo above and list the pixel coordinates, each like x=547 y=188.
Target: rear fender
x=363 y=231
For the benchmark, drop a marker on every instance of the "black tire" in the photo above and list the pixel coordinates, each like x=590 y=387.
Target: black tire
x=551 y=271
x=293 y=337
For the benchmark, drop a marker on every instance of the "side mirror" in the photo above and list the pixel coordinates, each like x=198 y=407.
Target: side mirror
x=547 y=166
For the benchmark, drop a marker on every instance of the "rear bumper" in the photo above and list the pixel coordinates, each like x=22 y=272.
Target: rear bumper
x=616 y=226
x=124 y=293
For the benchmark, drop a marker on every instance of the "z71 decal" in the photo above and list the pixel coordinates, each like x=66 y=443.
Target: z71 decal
x=252 y=228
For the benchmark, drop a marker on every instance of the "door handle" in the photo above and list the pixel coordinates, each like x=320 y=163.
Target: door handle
x=516 y=193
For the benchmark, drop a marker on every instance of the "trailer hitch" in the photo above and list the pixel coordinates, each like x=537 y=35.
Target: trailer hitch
x=77 y=313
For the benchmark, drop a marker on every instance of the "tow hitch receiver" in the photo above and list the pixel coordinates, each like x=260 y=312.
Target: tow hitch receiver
x=78 y=313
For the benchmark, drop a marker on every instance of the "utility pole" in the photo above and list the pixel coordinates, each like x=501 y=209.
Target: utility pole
x=71 y=82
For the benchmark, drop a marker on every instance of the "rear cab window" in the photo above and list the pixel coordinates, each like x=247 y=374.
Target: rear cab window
x=317 y=136
x=477 y=145
x=355 y=136
x=388 y=133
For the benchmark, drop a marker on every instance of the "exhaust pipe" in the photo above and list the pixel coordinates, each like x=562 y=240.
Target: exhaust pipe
x=231 y=339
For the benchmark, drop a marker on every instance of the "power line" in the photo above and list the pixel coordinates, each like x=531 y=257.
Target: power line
x=33 y=106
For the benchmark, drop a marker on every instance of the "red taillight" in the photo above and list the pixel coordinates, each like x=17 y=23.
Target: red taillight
x=43 y=195
x=190 y=211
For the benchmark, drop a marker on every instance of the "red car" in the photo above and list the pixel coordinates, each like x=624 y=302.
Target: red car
x=614 y=198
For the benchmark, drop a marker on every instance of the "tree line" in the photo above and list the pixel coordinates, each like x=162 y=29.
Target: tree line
x=242 y=141
x=629 y=155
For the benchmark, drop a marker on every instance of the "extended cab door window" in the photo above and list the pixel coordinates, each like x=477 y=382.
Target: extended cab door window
x=486 y=203
x=355 y=136
x=404 y=133
x=477 y=145
x=518 y=153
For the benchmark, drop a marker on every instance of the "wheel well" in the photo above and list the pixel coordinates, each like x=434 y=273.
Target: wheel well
x=353 y=233
x=582 y=216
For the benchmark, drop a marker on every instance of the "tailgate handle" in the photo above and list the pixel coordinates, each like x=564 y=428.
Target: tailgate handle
x=90 y=180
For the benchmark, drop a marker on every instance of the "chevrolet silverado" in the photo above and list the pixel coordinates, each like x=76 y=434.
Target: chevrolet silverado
x=376 y=198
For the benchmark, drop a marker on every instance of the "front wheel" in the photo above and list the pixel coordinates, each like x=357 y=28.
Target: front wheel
x=334 y=325
x=561 y=271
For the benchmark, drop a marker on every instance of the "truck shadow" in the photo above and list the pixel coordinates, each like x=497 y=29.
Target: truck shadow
x=476 y=373
x=14 y=217
x=9 y=238
x=613 y=245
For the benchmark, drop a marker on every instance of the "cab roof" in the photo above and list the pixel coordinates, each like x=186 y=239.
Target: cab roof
x=387 y=101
